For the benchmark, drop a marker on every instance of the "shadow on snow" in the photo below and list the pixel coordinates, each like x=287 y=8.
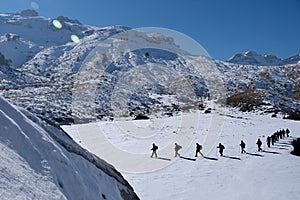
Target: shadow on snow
x=209 y=158
x=162 y=158
x=187 y=158
x=273 y=152
x=232 y=157
x=254 y=154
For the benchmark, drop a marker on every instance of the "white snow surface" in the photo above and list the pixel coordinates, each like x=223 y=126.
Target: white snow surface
x=34 y=166
x=272 y=174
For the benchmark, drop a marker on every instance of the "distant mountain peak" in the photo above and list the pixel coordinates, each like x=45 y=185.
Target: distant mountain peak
x=29 y=13
x=254 y=58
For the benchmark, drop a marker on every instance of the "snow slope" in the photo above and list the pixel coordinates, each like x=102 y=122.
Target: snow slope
x=272 y=174
x=35 y=166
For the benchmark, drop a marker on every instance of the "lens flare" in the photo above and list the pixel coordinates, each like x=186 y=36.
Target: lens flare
x=75 y=38
x=34 y=5
x=57 y=24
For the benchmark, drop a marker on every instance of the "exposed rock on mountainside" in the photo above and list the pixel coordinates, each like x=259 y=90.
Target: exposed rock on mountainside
x=43 y=72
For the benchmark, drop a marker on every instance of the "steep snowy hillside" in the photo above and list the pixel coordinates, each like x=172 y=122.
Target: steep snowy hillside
x=38 y=161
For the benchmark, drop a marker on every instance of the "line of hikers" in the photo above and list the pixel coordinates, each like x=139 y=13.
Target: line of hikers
x=280 y=134
x=178 y=147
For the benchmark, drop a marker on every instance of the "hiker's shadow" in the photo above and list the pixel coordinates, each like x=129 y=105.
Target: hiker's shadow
x=254 y=154
x=282 y=145
x=162 y=158
x=273 y=152
x=232 y=157
x=210 y=158
x=282 y=148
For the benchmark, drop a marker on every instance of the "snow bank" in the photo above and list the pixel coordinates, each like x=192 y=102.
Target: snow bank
x=35 y=166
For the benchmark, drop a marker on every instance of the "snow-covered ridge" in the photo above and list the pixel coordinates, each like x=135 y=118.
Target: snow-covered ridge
x=253 y=58
x=45 y=68
x=39 y=161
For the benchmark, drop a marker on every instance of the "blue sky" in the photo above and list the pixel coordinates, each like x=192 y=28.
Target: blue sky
x=222 y=27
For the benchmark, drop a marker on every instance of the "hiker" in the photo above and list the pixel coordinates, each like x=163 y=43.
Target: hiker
x=221 y=149
x=287 y=131
x=259 y=143
x=177 y=148
x=154 y=149
x=276 y=136
x=269 y=141
x=273 y=139
x=283 y=133
x=243 y=145
x=198 y=149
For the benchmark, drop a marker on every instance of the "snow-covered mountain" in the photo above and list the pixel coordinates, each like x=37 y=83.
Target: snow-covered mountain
x=44 y=72
x=253 y=58
x=65 y=72
x=38 y=161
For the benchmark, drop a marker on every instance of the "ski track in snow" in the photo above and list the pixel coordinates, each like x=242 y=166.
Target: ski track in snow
x=272 y=175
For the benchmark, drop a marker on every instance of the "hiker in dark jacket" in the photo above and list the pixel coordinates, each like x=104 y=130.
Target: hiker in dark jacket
x=243 y=146
x=198 y=150
x=273 y=139
x=154 y=149
x=259 y=143
x=287 y=131
x=221 y=149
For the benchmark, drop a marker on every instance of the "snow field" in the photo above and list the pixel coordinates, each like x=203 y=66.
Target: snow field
x=273 y=174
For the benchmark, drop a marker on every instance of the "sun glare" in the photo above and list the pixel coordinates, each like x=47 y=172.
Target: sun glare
x=57 y=24
x=75 y=38
x=34 y=5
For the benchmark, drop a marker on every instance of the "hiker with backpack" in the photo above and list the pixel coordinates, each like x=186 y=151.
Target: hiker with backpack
x=287 y=131
x=259 y=143
x=198 y=149
x=154 y=149
x=221 y=148
x=243 y=145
